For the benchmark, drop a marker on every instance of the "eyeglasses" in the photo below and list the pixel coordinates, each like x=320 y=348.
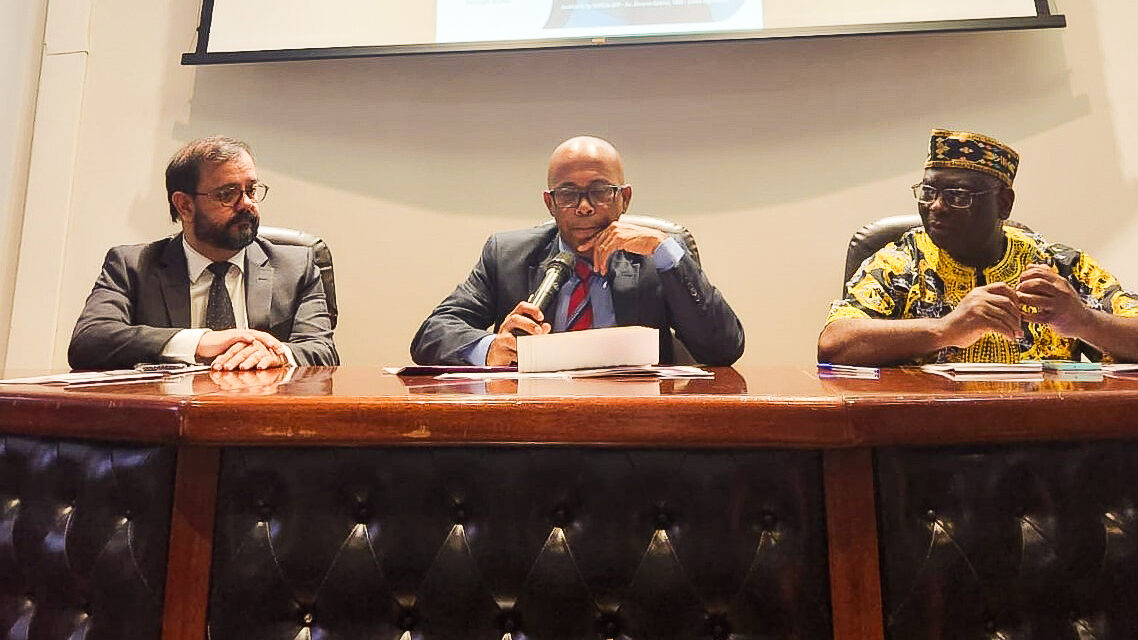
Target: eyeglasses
x=955 y=198
x=598 y=196
x=229 y=196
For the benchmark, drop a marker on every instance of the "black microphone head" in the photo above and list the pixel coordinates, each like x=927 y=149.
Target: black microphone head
x=563 y=261
x=557 y=271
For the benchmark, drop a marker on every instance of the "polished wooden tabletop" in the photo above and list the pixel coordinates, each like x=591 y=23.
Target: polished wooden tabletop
x=748 y=406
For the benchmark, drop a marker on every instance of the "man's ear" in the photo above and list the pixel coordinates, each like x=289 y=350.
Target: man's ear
x=1007 y=199
x=626 y=196
x=184 y=204
x=545 y=195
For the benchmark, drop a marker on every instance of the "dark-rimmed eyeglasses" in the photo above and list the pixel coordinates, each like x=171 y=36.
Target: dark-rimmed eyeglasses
x=229 y=196
x=598 y=196
x=955 y=198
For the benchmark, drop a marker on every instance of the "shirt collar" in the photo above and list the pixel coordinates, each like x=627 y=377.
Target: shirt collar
x=561 y=247
x=196 y=263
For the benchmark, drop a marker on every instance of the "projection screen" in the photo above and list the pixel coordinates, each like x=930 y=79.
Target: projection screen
x=255 y=30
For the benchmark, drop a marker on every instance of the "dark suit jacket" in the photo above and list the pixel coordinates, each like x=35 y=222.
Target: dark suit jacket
x=142 y=298
x=680 y=299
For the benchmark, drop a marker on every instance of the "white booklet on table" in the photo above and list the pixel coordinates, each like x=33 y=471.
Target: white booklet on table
x=589 y=349
x=1026 y=371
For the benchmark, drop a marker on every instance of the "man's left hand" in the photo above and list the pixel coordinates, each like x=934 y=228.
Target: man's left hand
x=621 y=236
x=1051 y=300
x=264 y=352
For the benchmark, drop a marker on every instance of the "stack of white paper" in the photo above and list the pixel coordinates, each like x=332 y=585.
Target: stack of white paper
x=592 y=348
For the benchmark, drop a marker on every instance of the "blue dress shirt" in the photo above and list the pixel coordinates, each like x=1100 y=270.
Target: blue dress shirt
x=666 y=257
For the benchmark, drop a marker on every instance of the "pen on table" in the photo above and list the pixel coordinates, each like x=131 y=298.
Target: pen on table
x=846 y=368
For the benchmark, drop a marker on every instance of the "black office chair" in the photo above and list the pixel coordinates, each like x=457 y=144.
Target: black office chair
x=322 y=255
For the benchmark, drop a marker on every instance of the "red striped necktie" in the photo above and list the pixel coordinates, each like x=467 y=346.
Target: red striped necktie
x=580 y=311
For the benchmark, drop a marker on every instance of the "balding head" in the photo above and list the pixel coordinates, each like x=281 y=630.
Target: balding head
x=585 y=151
x=589 y=173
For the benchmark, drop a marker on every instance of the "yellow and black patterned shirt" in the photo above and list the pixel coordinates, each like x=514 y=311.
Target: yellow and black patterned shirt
x=913 y=278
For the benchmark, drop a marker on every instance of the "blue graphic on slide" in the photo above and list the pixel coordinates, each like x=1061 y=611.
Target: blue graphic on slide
x=605 y=13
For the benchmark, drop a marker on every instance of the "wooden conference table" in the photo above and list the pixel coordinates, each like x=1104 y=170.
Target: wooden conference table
x=870 y=442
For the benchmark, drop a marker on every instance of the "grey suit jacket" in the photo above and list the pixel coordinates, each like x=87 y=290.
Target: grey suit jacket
x=142 y=298
x=679 y=299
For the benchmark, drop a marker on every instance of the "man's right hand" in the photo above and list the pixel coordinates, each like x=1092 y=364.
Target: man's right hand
x=230 y=342
x=991 y=308
x=525 y=319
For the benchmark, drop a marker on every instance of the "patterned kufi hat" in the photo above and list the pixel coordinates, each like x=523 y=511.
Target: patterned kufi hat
x=967 y=150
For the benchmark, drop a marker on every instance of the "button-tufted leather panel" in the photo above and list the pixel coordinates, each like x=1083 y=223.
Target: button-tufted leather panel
x=83 y=539
x=537 y=543
x=1023 y=543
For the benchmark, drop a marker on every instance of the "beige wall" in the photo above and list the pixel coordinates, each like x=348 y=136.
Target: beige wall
x=772 y=153
x=21 y=46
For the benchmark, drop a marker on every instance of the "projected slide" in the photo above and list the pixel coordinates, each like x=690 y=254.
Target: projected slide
x=265 y=25
x=481 y=20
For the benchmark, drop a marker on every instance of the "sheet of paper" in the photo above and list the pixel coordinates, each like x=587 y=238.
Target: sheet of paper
x=1031 y=371
x=609 y=347
x=86 y=377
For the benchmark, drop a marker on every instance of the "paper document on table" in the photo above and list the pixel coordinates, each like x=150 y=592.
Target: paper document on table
x=1030 y=371
x=87 y=377
x=646 y=371
x=1127 y=370
x=591 y=348
x=140 y=373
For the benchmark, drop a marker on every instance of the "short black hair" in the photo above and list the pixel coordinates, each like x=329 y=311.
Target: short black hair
x=184 y=170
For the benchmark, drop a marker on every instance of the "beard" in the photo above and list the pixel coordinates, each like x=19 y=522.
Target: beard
x=229 y=235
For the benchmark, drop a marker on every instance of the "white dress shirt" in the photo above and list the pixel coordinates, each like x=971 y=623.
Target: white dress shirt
x=184 y=345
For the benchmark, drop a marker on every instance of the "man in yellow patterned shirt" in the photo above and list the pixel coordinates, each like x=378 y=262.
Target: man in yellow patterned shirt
x=965 y=287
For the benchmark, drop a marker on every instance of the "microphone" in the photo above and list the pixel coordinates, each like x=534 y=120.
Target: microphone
x=557 y=272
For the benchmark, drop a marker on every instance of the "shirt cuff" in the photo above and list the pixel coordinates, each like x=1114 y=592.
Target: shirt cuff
x=475 y=354
x=668 y=254
x=183 y=347
x=288 y=354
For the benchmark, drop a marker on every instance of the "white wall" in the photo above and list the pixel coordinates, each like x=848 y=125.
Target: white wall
x=772 y=153
x=21 y=44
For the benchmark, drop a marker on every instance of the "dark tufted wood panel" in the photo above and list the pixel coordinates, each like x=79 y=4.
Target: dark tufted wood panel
x=1023 y=543
x=466 y=543
x=83 y=539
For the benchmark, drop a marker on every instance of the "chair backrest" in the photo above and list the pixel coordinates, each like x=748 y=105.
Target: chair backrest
x=321 y=254
x=867 y=240
x=659 y=224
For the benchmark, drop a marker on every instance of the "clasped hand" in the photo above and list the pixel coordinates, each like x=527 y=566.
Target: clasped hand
x=621 y=236
x=241 y=349
x=1041 y=296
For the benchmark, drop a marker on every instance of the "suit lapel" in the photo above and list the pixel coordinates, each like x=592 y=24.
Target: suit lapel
x=625 y=289
x=174 y=282
x=258 y=287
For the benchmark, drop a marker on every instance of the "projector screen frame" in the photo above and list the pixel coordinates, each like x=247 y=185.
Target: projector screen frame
x=201 y=56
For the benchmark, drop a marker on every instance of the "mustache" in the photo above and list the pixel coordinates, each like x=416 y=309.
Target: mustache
x=244 y=216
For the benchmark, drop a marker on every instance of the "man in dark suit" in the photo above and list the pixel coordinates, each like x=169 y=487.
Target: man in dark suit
x=626 y=274
x=214 y=293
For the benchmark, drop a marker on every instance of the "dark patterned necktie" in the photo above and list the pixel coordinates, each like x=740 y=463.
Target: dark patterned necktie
x=219 y=308
x=580 y=311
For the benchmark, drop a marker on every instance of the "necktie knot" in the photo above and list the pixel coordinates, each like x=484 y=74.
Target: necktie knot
x=218 y=269
x=583 y=269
